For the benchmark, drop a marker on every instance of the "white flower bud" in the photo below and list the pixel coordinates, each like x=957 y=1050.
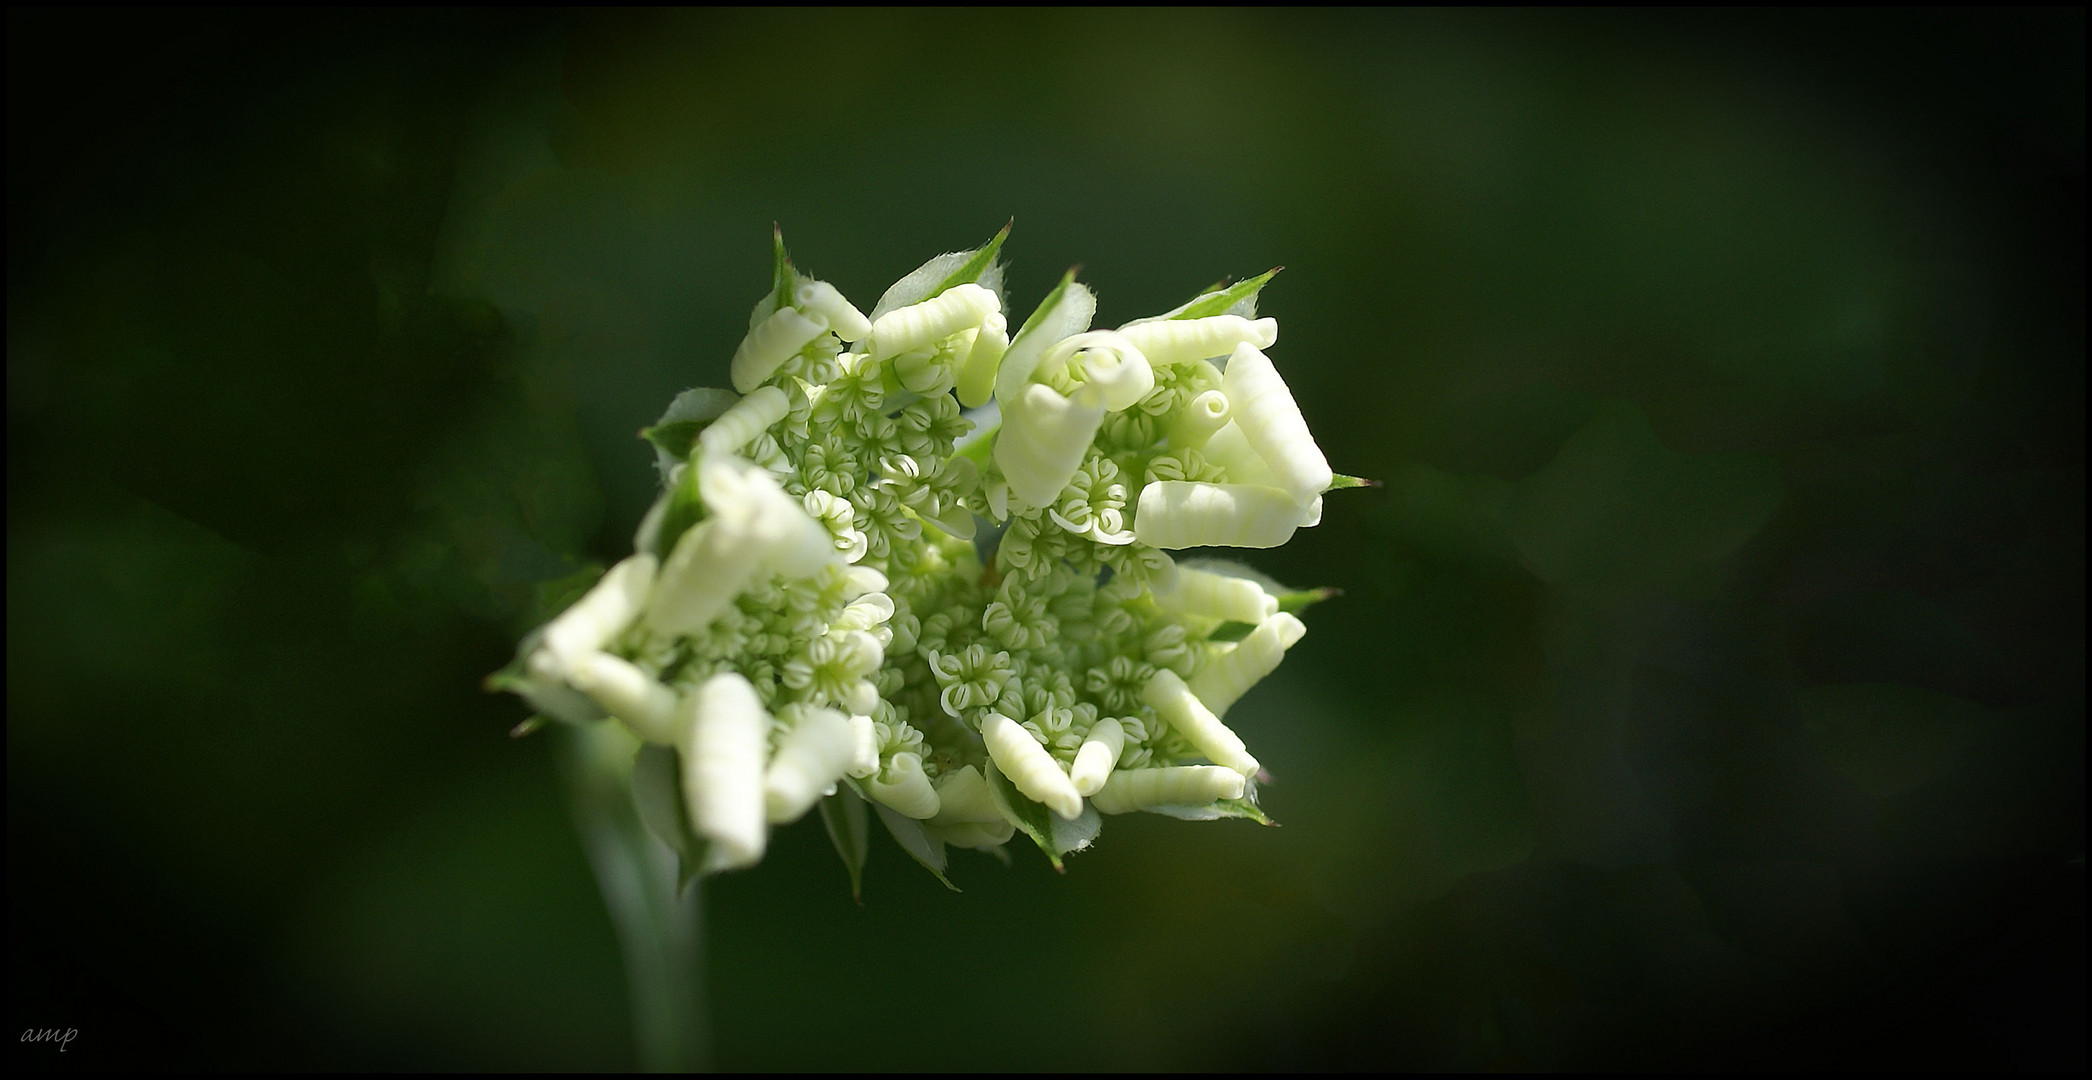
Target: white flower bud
x=1177 y=514
x=1106 y=360
x=1271 y=421
x=1312 y=516
x=904 y=787
x=1029 y=766
x=962 y=796
x=602 y=614
x=1218 y=596
x=931 y=321
x=1181 y=709
x=723 y=769
x=825 y=300
x=1203 y=415
x=1185 y=341
x=812 y=756
x=746 y=419
x=864 y=747
x=773 y=341
x=1044 y=437
x=1229 y=449
x=1180 y=785
x=977 y=371
x=631 y=695
x=1098 y=756
x=1226 y=676
x=794 y=544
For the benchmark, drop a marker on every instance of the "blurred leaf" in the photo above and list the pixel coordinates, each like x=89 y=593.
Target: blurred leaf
x=914 y=840
x=657 y=791
x=849 y=829
x=1616 y=508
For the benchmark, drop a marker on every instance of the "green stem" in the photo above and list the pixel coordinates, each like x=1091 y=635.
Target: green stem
x=660 y=928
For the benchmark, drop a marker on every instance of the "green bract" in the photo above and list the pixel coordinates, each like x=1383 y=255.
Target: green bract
x=850 y=590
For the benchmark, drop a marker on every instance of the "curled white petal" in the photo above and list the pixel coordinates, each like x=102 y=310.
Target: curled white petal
x=726 y=729
x=904 y=787
x=1069 y=315
x=977 y=834
x=603 y=613
x=962 y=796
x=712 y=562
x=1226 y=676
x=1044 y=437
x=1181 y=709
x=931 y=321
x=1202 y=416
x=1098 y=756
x=1106 y=360
x=1218 y=596
x=795 y=544
x=1229 y=449
x=772 y=342
x=1178 y=785
x=1271 y=421
x=1183 y=341
x=631 y=695
x=828 y=302
x=864 y=747
x=1312 y=516
x=747 y=418
x=1030 y=766
x=810 y=758
x=1177 y=514
x=977 y=371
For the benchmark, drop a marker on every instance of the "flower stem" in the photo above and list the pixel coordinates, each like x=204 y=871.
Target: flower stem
x=660 y=927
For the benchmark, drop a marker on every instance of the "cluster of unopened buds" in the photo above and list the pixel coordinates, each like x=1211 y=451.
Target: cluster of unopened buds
x=917 y=561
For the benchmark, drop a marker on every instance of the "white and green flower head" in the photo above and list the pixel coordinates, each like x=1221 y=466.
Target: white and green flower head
x=919 y=561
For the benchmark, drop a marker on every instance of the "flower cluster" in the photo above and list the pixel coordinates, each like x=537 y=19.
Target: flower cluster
x=918 y=560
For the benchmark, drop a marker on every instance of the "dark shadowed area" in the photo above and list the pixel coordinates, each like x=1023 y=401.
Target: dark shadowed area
x=1708 y=687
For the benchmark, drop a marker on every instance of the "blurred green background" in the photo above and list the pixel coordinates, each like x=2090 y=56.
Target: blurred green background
x=1708 y=688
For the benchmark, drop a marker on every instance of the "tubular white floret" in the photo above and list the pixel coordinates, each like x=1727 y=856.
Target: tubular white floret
x=723 y=769
x=1106 y=360
x=1181 y=709
x=1271 y=421
x=931 y=321
x=813 y=755
x=827 y=301
x=962 y=796
x=1177 y=514
x=1202 y=416
x=977 y=371
x=1183 y=341
x=796 y=545
x=977 y=834
x=1226 y=676
x=1069 y=315
x=904 y=787
x=1218 y=596
x=1229 y=449
x=711 y=564
x=626 y=692
x=864 y=747
x=602 y=614
x=1177 y=785
x=1044 y=437
x=1098 y=756
x=744 y=420
x=1030 y=766
x=772 y=342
